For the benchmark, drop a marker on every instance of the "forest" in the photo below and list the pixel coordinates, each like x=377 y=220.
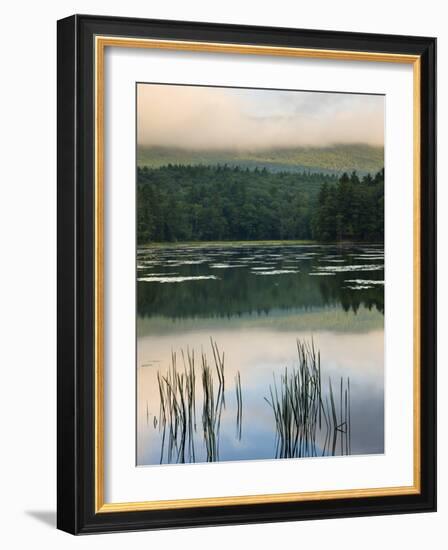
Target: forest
x=331 y=159
x=223 y=203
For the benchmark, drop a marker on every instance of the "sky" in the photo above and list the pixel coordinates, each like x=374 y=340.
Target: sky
x=206 y=118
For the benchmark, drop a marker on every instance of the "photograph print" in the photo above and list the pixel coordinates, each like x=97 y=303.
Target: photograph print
x=259 y=274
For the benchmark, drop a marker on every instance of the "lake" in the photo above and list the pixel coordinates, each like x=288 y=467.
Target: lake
x=259 y=351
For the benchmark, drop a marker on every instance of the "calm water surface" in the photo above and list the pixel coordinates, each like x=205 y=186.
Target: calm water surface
x=255 y=302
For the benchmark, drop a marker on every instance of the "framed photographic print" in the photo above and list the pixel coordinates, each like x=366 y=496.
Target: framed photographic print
x=246 y=274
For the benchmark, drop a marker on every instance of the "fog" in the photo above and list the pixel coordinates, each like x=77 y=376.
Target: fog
x=194 y=117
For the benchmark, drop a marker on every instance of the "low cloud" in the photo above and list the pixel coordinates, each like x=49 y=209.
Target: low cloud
x=193 y=117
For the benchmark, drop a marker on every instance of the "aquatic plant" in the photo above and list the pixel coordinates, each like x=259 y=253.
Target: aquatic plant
x=309 y=421
x=212 y=406
x=301 y=414
x=177 y=413
x=239 y=405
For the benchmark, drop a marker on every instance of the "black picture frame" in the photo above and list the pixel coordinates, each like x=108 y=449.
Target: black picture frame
x=76 y=286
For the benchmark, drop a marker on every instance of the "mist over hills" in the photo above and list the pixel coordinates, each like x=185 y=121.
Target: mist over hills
x=334 y=159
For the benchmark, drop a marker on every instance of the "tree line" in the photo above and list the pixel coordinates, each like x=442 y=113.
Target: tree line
x=353 y=209
x=207 y=203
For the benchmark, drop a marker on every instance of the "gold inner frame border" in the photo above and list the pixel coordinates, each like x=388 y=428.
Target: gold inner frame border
x=100 y=44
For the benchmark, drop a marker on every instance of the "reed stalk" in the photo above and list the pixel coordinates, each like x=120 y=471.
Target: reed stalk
x=303 y=418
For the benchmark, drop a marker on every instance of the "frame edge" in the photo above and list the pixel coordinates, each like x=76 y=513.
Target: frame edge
x=67 y=454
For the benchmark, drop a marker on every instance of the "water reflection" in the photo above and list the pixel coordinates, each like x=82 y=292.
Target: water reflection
x=260 y=301
x=208 y=281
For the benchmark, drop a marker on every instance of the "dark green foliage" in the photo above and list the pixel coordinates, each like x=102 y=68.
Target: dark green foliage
x=209 y=203
x=351 y=210
x=205 y=203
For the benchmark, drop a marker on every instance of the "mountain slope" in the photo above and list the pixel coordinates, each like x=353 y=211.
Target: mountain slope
x=334 y=159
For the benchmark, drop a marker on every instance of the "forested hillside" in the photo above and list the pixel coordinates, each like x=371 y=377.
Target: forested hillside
x=205 y=203
x=333 y=159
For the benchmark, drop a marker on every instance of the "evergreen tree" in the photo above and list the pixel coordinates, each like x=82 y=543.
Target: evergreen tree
x=181 y=203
